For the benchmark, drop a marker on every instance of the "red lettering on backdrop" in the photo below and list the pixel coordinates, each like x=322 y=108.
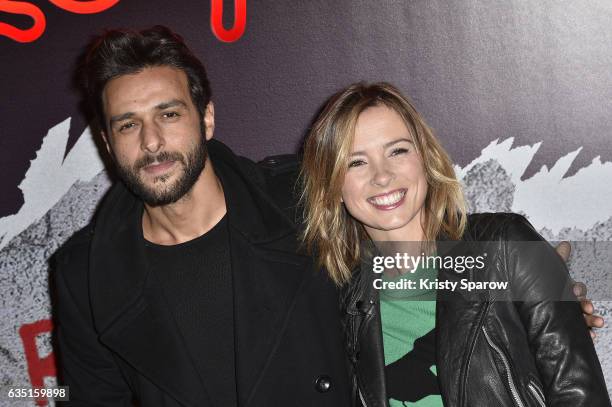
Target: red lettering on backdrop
x=38 y=368
x=84 y=7
x=216 y=20
x=30 y=10
x=97 y=6
x=33 y=33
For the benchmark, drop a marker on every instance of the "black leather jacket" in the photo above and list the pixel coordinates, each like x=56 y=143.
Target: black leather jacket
x=489 y=353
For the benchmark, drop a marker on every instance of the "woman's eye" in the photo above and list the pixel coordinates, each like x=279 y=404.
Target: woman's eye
x=356 y=163
x=398 y=151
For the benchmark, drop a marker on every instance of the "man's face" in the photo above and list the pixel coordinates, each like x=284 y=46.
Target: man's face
x=155 y=134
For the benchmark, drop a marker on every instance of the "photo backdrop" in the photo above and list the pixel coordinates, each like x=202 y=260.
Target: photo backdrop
x=519 y=92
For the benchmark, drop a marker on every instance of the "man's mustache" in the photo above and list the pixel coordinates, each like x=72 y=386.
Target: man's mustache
x=158 y=158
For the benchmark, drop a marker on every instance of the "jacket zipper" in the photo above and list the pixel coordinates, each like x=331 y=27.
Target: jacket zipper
x=363 y=402
x=466 y=367
x=537 y=394
x=511 y=384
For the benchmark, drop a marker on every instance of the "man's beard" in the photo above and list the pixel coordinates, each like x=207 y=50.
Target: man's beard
x=193 y=164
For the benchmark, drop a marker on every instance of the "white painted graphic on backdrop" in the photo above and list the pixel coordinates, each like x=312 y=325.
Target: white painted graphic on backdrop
x=50 y=176
x=549 y=200
x=61 y=195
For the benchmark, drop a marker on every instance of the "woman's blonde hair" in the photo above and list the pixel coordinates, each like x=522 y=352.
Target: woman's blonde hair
x=329 y=230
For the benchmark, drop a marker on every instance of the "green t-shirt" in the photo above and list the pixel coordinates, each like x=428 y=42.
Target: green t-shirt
x=408 y=325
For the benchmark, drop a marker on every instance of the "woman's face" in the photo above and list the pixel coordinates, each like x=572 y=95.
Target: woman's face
x=385 y=185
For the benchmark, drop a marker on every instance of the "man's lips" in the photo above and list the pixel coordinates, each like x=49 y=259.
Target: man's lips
x=158 y=168
x=389 y=200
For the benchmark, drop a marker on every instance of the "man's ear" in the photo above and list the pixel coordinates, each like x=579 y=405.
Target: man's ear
x=209 y=120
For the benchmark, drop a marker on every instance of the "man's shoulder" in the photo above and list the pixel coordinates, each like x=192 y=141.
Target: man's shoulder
x=74 y=253
x=274 y=175
x=280 y=165
x=280 y=175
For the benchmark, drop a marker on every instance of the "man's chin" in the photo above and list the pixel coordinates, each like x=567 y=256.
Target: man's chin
x=154 y=194
x=160 y=197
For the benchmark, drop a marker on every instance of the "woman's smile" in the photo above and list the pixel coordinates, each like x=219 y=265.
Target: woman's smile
x=389 y=200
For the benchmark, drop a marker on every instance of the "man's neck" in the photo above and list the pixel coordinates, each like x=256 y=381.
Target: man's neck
x=191 y=216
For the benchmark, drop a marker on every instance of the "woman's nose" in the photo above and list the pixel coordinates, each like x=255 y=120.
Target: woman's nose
x=382 y=176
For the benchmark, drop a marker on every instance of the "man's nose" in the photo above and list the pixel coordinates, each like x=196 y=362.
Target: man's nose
x=152 y=139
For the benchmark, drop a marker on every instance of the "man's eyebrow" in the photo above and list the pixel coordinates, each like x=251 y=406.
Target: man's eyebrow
x=120 y=117
x=161 y=106
x=171 y=103
x=386 y=145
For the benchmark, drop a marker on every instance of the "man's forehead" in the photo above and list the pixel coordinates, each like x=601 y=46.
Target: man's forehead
x=145 y=89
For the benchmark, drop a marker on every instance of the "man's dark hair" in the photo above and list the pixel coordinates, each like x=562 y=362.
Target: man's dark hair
x=123 y=52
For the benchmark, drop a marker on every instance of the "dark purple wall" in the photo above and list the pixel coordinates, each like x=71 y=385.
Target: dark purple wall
x=478 y=70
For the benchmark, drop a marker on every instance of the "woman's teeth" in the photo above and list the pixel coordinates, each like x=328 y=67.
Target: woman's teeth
x=389 y=199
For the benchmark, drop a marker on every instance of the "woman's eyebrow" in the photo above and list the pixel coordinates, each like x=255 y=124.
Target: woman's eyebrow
x=399 y=140
x=386 y=145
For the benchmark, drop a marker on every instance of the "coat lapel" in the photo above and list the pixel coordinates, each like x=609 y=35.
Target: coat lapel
x=266 y=286
x=127 y=307
x=362 y=304
x=268 y=272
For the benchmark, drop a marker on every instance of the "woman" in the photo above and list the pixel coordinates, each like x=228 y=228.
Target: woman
x=374 y=172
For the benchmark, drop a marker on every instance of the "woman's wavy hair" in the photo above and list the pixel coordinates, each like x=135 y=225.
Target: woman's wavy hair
x=329 y=230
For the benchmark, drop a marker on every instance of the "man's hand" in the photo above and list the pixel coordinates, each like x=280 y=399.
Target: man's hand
x=580 y=290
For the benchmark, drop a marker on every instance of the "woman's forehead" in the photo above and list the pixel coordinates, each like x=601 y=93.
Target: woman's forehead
x=378 y=125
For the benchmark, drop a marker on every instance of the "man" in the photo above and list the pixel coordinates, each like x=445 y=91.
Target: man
x=188 y=288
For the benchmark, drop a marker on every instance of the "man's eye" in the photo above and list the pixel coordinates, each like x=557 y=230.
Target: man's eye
x=170 y=115
x=127 y=126
x=398 y=151
x=356 y=163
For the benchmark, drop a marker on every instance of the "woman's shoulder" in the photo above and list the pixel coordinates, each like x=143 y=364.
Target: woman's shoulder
x=500 y=225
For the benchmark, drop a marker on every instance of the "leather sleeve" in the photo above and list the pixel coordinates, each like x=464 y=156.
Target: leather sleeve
x=84 y=364
x=558 y=336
